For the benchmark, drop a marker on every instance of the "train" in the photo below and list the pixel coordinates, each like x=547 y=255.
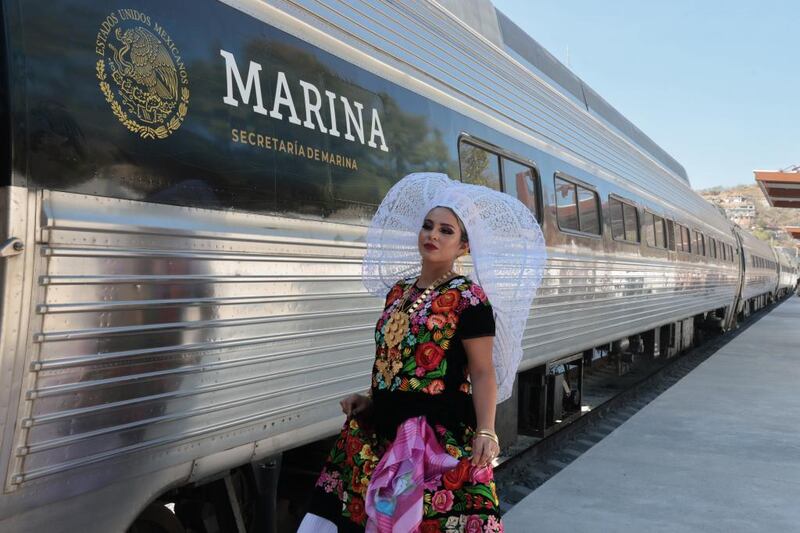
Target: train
x=185 y=192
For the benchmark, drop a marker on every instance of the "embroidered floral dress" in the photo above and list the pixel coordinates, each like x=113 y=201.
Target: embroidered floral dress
x=426 y=374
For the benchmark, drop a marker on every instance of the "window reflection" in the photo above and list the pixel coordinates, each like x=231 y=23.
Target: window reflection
x=631 y=223
x=587 y=209
x=519 y=181
x=479 y=167
x=566 y=207
x=617 y=223
x=660 y=231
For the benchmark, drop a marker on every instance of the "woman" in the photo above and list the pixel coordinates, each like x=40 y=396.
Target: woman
x=434 y=365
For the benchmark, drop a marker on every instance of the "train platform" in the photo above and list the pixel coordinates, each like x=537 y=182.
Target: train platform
x=718 y=451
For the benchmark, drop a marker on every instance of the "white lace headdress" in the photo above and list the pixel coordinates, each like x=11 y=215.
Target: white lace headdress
x=506 y=245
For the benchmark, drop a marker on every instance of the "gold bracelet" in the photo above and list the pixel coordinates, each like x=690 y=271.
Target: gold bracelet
x=489 y=435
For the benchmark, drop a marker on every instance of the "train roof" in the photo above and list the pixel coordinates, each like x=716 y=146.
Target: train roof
x=513 y=39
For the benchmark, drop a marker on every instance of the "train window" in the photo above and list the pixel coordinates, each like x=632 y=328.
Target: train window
x=679 y=238
x=631 y=223
x=700 y=240
x=712 y=247
x=678 y=241
x=484 y=167
x=520 y=181
x=617 y=222
x=479 y=166
x=687 y=240
x=577 y=208
x=566 y=207
x=649 y=229
x=625 y=221
x=670 y=234
x=660 y=231
x=683 y=239
x=588 y=212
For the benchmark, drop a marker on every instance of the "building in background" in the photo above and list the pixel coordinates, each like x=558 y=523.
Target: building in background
x=740 y=209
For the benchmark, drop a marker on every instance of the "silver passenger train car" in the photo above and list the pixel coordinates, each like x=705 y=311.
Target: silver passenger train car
x=788 y=276
x=184 y=198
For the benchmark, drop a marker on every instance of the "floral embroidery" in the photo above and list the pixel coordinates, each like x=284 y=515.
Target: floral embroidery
x=462 y=499
x=442 y=501
x=418 y=363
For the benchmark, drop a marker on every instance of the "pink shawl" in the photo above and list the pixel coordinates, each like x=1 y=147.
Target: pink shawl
x=414 y=461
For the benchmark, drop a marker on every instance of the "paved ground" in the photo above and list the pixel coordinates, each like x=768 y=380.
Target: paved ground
x=719 y=451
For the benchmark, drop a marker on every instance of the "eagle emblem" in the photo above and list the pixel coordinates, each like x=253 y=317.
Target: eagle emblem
x=143 y=78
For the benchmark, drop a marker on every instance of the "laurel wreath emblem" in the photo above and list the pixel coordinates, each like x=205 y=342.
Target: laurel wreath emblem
x=145 y=132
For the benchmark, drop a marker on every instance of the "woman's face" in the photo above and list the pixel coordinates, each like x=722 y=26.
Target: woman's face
x=440 y=237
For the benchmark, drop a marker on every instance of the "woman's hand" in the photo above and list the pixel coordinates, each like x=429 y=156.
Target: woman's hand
x=484 y=451
x=355 y=404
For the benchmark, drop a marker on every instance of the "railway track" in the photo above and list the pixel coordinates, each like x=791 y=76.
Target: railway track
x=529 y=464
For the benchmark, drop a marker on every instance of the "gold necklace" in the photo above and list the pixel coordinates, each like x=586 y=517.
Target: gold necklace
x=399 y=321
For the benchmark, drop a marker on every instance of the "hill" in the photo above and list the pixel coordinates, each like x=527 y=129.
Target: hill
x=763 y=221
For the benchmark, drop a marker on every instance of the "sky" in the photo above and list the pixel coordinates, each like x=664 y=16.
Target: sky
x=715 y=83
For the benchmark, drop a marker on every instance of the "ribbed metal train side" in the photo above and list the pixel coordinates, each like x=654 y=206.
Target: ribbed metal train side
x=167 y=328
x=161 y=335
x=588 y=301
x=759 y=280
x=787 y=277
